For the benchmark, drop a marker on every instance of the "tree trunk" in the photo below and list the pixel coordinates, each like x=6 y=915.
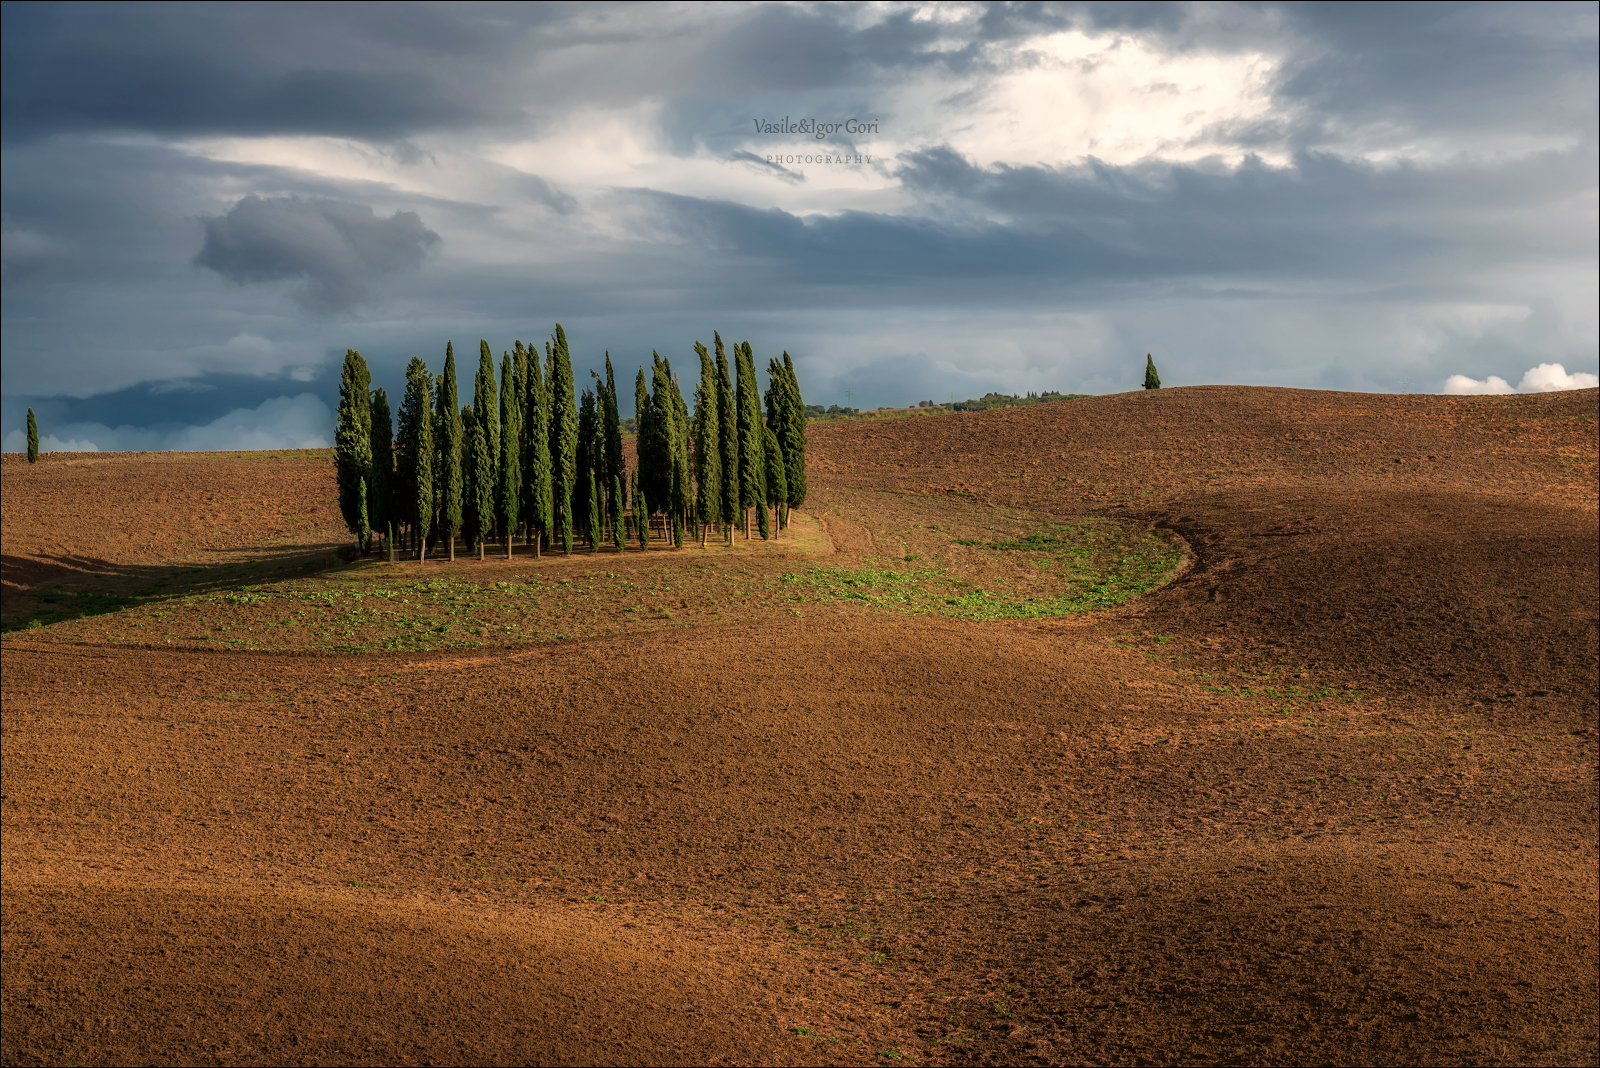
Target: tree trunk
x=452 y=540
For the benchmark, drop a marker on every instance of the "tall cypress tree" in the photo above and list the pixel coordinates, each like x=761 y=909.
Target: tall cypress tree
x=752 y=468
x=656 y=446
x=593 y=496
x=1152 y=380
x=537 y=455
x=510 y=486
x=641 y=512
x=728 y=438
x=616 y=475
x=484 y=483
x=618 y=533
x=777 y=481
x=380 y=481
x=451 y=489
x=682 y=478
x=563 y=435
x=33 y=438
x=587 y=425
x=707 y=447
x=469 y=480
x=793 y=439
x=352 y=452
x=486 y=407
x=416 y=453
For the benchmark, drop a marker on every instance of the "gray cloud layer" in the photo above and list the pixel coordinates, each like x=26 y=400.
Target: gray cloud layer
x=339 y=248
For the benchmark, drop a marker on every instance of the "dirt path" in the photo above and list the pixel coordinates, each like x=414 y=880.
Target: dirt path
x=1330 y=796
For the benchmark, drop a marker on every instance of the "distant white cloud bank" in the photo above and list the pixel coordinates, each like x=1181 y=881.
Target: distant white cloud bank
x=1546 y=378
x=302 y=422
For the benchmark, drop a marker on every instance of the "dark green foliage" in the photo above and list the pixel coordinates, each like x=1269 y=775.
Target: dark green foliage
x=707 y=447
x=727 y=438
x=380 y=482
x=777 y=479
x=486 y=409
x=654 y=440
x=793 y=438
x=352 y=450
x=482 y=437
x=593 y=498
x=469 y=478
x=588 y=425
x=536 y=454
x=752 y=468
x=510 y=484
x=563 y=435
x=682 y=501
x=618 y=533
x=641 y=513
x=33 y=438
x=447 y=407
x=416 y=451
x=1152 y=380
x=611 y=429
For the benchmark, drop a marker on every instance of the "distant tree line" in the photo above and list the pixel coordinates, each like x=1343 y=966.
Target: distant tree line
x=530 y=458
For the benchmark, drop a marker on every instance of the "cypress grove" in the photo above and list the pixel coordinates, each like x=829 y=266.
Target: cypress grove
x=352 y=451
x=563 y=435
x=510 y=486
x=707 y=450
x=449 y=466
x=416 y=452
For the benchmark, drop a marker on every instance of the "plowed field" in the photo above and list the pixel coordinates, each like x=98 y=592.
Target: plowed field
x=1206 y=725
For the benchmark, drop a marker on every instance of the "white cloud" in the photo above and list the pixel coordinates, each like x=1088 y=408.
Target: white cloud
x=302 y=422
x=1462 y=386
x=1546 y=378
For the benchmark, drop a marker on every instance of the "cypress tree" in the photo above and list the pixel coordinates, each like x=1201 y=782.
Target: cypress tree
x=777 y=481
x=1152 y=380
x=416 y=453
x=469 y=479
x=510 y=485
x=641 y=512
x=618 y=533
x=484 y=483
x=537 y=456
x=594 y=513
x=682 y=478
x=486 y=407
x=563 y=435
x=707 y=450
x=381 y=480
x=752 y=468
x=582 y=506
x=728 y=439
x=352 y=453
x=615 y=474
x=793 y=439
x=33 y=438
x=451 y=489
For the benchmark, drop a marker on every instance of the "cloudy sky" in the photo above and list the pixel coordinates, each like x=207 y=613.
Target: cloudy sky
x=205 y=205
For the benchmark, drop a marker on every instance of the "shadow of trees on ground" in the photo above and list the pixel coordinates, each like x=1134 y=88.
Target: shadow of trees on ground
x=45 y=589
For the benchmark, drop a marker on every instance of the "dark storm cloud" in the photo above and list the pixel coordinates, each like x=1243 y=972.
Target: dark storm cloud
x=340 y=249
x=378 y=72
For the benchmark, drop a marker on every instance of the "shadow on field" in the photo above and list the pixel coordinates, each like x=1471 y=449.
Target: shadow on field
x=40 y=590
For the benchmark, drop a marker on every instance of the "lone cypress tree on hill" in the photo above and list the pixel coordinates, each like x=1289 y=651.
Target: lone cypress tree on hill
x=451 y=489
x=417 y=453
x=1152 y=380
x=352 y=451
x=33 y=438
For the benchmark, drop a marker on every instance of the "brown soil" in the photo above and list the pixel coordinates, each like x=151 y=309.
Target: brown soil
x=1329 y=796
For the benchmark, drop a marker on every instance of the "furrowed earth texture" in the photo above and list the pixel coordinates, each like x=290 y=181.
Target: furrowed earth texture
x=1204 y=725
